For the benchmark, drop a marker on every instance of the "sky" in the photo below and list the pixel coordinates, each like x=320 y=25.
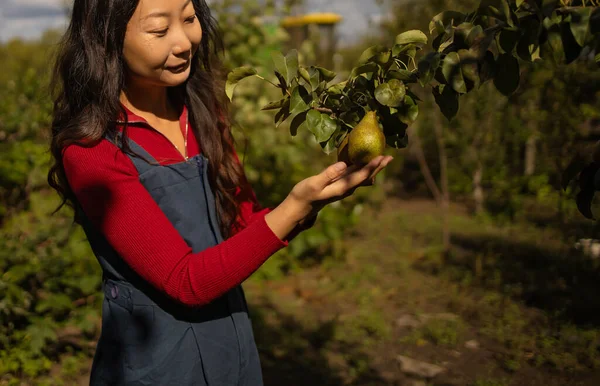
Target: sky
x=29 y=18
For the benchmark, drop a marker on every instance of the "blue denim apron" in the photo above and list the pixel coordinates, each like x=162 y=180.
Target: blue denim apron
x=148 y=338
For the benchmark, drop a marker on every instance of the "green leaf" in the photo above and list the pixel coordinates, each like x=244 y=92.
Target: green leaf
x=397 y=141
x=470 y=69
x=446 y=43
x=370 y=52
x=315 y=78
x=393 y=128
x=337 y=88
x=548 y=7
x=300 y=100
x=584 y=201
x=292 y=65
x=403 y=75
x=279 y=62
x=282 y=82
x=414 y=36
x=427 y=67
x=587 y=176
x=235 y=76
x=274 y=105
x=299 y=122
x=447 y=100
x=287 y=65
x=321 y=125
x=507 y=75
x=304 y=74
x=580 y=25
x=391 y=93
x=320 y=88
x=528 y=44
x=475 y=35
x=519 y=3
x=326 y=74
x=382 y=58
x=283 y=113
x=409 y=50
x=571 y=47
x=481 y=44
x=487 y=69
x=330 y=145
x=556 y=43
x=364 y=69
x=443 y=20
x=452 y=71
x=461 y=33
x=507 y=40
x=499 y=9
x=350 y=118
x=409 y=111
x=597 y=58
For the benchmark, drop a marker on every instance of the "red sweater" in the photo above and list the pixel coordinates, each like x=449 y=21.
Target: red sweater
x=107 y=185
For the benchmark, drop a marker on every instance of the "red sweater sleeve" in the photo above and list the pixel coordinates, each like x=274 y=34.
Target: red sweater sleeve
x=106 y=184
x=250 y=210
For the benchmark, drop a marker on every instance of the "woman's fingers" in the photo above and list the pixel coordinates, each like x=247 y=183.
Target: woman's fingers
x=331 y=174
x=371 y=180
x=381 y=166
x=339 y=181
x=354 y=178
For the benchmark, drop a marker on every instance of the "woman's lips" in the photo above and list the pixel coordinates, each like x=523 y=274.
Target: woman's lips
x=180 y=68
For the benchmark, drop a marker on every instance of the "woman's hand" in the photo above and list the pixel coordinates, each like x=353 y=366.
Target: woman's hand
x=310 y=195
x=336 y=182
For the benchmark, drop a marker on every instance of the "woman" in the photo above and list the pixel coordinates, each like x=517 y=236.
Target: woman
x=144 y=153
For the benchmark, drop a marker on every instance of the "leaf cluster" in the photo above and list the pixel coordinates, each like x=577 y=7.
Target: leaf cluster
x=468 y=49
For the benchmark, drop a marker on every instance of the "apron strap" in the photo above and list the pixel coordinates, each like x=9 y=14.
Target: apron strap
x=142 y=160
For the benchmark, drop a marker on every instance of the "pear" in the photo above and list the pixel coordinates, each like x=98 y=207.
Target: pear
x=365 y=142
x=342 y=151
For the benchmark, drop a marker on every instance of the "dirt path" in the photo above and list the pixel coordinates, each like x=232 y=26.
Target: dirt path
x=361 y=322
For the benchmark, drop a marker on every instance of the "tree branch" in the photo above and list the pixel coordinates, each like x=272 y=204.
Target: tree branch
x=323 y=110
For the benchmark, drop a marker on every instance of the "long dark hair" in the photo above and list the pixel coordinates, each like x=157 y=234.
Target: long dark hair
x=88 y=79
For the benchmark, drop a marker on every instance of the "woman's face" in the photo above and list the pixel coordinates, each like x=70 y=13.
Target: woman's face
x=161 y=39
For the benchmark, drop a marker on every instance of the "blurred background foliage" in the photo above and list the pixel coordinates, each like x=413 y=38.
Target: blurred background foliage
x=504 y=159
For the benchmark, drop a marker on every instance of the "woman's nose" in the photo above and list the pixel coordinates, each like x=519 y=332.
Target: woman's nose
x=182 y=44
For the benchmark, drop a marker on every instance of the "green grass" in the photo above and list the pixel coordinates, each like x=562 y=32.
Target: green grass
x=439 y=332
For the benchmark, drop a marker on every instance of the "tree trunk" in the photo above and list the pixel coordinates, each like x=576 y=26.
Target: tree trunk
x=439 y=136
x=561 y=193
x=530 y=155
x=478 y=195
x=429 y=180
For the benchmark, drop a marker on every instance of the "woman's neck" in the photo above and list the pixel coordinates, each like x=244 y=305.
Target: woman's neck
x=153 y=101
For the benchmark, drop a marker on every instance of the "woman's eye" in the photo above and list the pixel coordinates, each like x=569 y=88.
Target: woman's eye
x=191 y=19
x=161 y=32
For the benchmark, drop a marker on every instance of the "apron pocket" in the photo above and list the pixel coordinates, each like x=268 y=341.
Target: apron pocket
x=220 y=350
x=160 y=350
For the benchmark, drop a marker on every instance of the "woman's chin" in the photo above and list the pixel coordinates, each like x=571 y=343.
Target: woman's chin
x=175 y=79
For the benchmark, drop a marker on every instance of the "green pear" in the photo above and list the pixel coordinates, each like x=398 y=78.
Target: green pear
x=365 y=142
x=342 y=151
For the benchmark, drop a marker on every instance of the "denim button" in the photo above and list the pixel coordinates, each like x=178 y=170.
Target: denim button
x=114 y=292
